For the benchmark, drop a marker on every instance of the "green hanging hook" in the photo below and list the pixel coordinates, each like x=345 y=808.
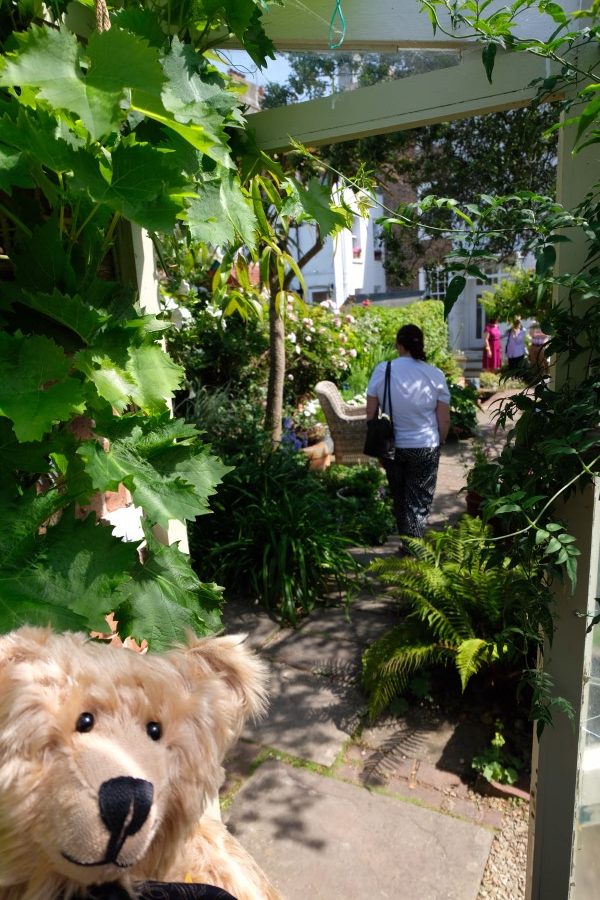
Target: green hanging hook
x=338 y=13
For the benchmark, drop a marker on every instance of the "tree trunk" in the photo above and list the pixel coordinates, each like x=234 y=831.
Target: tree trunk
x=274 y=409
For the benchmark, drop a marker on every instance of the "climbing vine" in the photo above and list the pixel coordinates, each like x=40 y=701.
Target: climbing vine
x=102 y=129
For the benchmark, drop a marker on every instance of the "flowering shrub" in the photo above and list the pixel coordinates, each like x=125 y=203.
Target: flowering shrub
x=217 y=350
x=320 y=345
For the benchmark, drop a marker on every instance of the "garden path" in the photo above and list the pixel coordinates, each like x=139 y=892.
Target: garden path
x=332 y=807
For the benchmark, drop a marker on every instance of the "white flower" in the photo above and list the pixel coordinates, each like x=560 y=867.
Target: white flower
x=180 y=316
x=337 y=321
x=342 y=351
x=352 y=353
x=307 y=322
x=307 y=338
x=322 y=331
x=290 y=376
x=349 y=319
x=297 y=348
x=313 y=330
x=344 y=338
x=292 y=337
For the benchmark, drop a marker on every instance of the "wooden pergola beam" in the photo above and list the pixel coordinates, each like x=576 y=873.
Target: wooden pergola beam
x=382 y=25
x=453 y=93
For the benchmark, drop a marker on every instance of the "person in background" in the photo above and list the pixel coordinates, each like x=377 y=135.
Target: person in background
x=421 y=414
x=515 y=344
x=537 y=354
x=492 y=354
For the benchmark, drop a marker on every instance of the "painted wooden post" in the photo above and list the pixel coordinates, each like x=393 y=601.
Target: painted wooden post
x=557 y=757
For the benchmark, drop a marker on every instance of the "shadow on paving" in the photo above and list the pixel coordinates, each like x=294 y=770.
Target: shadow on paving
x=332 y=805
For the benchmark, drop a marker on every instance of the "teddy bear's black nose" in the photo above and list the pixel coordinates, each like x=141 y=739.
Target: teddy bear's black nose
x=124 y=805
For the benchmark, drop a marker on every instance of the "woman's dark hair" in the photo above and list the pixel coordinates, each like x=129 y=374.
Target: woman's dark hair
x=411 y=338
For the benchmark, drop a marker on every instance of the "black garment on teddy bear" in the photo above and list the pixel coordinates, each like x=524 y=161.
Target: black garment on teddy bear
x=157 y=890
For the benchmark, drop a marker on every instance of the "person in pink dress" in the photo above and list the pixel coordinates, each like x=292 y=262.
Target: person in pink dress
x=492 y=354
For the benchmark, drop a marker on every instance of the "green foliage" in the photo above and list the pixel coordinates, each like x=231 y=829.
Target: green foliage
x=461 y=607
x=515 y=296
x=274 y=536
x=495 y=763
x=381 y=324
x=463 y=411
x=359 y=496
x=99 y=128
x=494 y=154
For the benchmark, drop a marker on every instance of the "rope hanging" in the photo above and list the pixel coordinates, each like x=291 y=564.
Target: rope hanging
x=102 y=16
x=338 y=13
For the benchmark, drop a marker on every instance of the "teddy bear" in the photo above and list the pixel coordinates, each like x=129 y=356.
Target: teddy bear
x=107 y=761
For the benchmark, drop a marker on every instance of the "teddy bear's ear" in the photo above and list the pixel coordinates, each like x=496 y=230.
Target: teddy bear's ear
x=244 y=673
x=25 y=643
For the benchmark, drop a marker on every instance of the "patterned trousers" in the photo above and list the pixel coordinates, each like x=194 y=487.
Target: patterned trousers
x=412 y=476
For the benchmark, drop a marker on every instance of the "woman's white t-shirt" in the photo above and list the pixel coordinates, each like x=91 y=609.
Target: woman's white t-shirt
x=416 y=388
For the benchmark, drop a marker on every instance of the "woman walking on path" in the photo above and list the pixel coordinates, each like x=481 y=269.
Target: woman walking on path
x=492 y=354
x=420 y=403
x=515 y=344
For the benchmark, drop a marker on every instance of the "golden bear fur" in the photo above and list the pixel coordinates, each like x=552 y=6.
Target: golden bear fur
x=78 y=719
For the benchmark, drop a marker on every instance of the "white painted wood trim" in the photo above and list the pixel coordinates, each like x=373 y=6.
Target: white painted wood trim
x=454 y=93
x=385 y=25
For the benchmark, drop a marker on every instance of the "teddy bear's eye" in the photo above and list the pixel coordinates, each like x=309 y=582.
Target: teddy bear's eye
x=85 y=722
x=154 y=731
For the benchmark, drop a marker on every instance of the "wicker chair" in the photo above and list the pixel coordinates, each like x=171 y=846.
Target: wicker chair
x=347 y=425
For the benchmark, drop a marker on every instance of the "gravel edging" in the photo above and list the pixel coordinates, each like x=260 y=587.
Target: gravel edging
x=505 y=873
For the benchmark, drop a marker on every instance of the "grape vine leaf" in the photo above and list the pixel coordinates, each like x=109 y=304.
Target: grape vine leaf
x=313 y=203
x=168 y=480
x=80 y=566
x=164 y=599
x=14 y=171
x=37 y=135
x=221 y=213
x=243 y=18
x=90 y=82
x=71 y=312
x=35 y=388
x=41 y=570
x=148 y=377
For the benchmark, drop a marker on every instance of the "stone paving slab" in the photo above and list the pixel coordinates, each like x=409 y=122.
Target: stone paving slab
x=244 y=618
x=322 y=839
x=310 y=716
x=440 y=744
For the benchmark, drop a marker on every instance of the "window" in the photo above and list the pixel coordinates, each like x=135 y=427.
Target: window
x=322 y=295
x=436 y=282
x=356 y=239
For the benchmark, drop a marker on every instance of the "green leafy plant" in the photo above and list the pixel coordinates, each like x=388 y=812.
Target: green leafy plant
x=463 y=411
x=516 y=295
x=362 y=507
x=461 y=607
x=495 y=763
x=274 y=536
x=379 y=325
x=102 y=132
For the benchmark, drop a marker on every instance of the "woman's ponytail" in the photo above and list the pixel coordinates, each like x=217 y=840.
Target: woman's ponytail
x=411 y=338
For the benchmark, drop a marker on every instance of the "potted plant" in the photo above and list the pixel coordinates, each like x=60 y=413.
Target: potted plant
x=481 y=479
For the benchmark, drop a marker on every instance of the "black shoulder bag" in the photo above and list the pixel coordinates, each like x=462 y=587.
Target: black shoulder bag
x=380 y=440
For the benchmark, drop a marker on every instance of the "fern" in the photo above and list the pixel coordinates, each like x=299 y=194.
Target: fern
x=463 y=607
x=391 y=661
x=471 y=656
